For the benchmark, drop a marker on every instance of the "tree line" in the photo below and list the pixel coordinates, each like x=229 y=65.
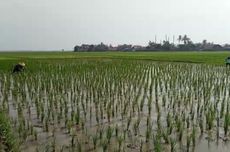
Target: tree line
x=184 y=44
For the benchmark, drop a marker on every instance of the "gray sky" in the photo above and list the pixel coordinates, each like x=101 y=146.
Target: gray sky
x=57 y=24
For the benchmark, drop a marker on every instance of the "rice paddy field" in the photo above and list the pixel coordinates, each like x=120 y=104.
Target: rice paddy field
x=114 y=101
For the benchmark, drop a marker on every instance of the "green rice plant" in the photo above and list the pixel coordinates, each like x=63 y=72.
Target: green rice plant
x=72 y=143
x=164 y=100
x=42 y=116
x=217 y=126
x=104 y=145
x=169 y=123
x=53 y=145
x=101 y=130
x=226 y=123
x=8 y=140
x=141 y=146
x=222 y=109
x=210 y=117
x=128 y=122
x=193 y=135
x=46 y=125
x=82 y=124
x=116 y=130
x=124 y=134
x=192 y=116
x=148 y=133
x=97 y=114
x=157 y=143
x=69 y=126
x=59 y=117
x=35 y=135
x=30 y=128
x=95 y=140
x=72 y=116
x=142 y=104
x=47 y=147
x=158 y=121
x=188 y=122
x=179 y=125
x=108 y=114
x=201 y=125
x=136 y=126
x=149 y=105
x=157 y=106
x=188 y=141
x=79 y=147
x=170 y=129
x=172 y=145
x=166 y=137
x=77 y=117
x=101 y=112
x=181 y=131
x=109 y=133
x=120 y=139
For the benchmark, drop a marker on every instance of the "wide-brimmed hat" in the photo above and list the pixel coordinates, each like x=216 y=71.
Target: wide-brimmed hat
x=22 y=63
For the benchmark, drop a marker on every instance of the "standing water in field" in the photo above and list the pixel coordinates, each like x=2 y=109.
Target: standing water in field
x=119 y=105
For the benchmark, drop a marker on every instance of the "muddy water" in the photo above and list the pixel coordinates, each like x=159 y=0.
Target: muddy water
x=204 y=145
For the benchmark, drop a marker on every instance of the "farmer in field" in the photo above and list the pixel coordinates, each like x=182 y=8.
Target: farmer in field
x=227 y=61
x=19 y=67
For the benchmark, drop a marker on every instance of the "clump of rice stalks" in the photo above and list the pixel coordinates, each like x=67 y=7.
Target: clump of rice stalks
x=193 y=136
x=104 y=144
x=7 y=139
x=172 y=145
x=210 y=117
x=95 y=139
x=136 y=126
x=226 y=123
x=157 y=143
x=79 y=147
x=120 y=140
x=188 y=142
x=116 y=130
x=109 y=133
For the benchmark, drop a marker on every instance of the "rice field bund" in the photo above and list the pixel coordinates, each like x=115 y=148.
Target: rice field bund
x=108 y=103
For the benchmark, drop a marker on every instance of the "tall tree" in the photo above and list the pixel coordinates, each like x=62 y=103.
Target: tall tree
x=204 y=42
x=185 y=39
x=179 y=38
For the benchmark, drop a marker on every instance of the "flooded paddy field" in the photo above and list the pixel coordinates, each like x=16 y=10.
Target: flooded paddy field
x=118 y=105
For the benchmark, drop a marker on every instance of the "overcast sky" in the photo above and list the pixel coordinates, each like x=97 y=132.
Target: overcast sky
x=57 y=24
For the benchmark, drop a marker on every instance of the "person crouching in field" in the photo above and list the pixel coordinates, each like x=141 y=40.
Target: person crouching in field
x=19 y=67
x=227 y=61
